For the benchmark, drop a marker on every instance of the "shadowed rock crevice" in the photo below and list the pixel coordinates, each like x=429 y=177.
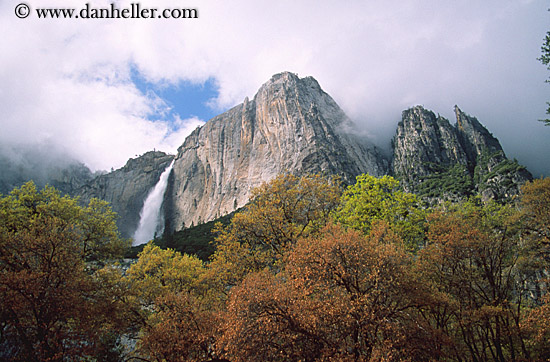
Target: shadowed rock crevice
x=292 y=126
x=439 y=161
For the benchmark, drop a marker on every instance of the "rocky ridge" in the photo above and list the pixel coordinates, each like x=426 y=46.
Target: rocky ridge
x=291 y=125
x=126 y=188
x=440 y=161
x=43 y=164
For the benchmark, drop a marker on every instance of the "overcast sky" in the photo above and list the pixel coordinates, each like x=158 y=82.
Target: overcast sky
x=106 y=90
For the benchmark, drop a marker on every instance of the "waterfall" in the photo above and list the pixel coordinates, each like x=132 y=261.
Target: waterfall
x=150 y=216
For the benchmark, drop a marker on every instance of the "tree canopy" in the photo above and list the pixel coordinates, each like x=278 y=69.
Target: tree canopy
x=280 y=212
x=545 y=59
x=371 y=200
x=305 y=272
x=342 y=296
x=51 y=249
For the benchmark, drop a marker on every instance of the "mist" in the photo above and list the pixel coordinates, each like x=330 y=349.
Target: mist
x=42 y=163
x=71 y=81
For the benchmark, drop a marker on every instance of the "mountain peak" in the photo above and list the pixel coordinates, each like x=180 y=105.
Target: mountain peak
x=474 y=136
x=439 y=161
x=290 y=78
x=291 y=125
x=287 y=83
x=283 y=76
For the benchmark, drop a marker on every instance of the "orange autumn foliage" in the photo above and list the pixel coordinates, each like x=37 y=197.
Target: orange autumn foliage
x=471 y=264
x=181 y=328
x=341 y=296
x=56 y=304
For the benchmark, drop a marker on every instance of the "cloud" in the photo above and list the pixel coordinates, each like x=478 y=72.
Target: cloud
x=70 y=84
x=70 y=80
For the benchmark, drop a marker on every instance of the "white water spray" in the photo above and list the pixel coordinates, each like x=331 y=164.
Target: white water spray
x=150 y=216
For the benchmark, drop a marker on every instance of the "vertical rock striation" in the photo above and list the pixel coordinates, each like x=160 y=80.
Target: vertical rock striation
x=440 y=161
x=126 y=188
x=291 y=125
x=495 y=176
x=423 y=143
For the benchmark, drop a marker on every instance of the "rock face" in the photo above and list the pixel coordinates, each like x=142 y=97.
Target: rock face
x=475 y=138
x=126 y=188
x=424 y=142
x=439 y=161
x=42 y=164
x=291 y=125
x=495 y=176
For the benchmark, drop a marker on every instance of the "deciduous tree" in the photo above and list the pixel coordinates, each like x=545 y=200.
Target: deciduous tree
x=181 y=328
x=341 y=296
x=179 y=314
x=373 y=199
x=535 y=209
x=536 y=326
x=280 y=212
x=159 y=272
x=48 y=287
x=472 y=262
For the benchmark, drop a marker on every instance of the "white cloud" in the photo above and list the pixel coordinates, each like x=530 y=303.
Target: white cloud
x=70 y=80
x=181 y=129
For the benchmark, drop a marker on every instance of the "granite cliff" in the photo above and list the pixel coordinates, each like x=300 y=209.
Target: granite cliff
x=291 y=125
x=126 y=188
x=440 y=161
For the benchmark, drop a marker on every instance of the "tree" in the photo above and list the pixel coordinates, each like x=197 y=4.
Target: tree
x=179 y=318
x=159 y=272
x=341 y=296
x=536 y=326
x=545 y=59
x=477 y=268
x=373 y=199
x=535 y=215
x=286 y=209
x=279 y=213
x=535 y=209
x=50 y=291
x=181 y=328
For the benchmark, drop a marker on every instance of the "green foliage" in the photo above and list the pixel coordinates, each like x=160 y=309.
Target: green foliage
x=195 y=240
x=500 y=168
x=455 y=180
x=545 y=59
x=504 y=168
x=292 y=291
x=93 y=228
x=286 y=209
x=178 y=319
x=284 y=283
x=159 y=272
x=54 y=304
x=373 y=199
x=482 y=164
